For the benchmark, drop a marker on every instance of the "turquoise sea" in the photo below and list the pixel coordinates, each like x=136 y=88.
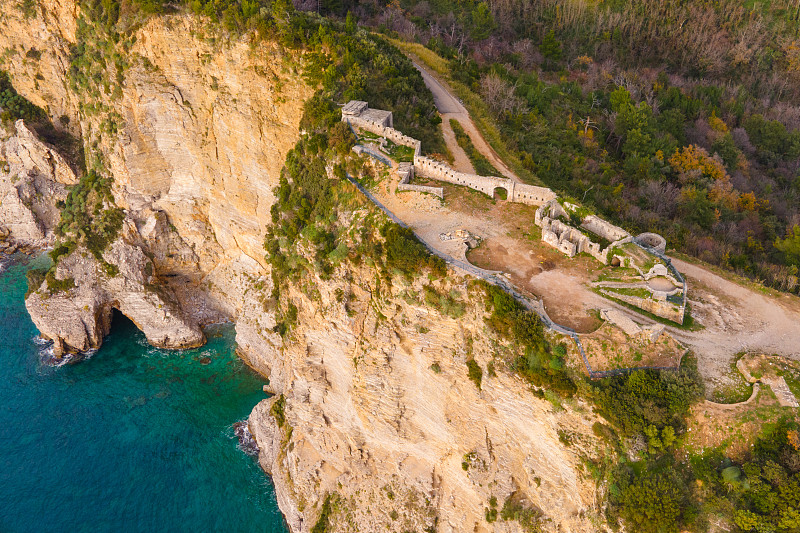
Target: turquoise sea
x=134 y=439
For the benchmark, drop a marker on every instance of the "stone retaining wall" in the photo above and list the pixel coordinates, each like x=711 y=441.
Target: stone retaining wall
x=392 y=134
x=357 y=113
x=664 y=309
x=604 y=229
x=515 y=192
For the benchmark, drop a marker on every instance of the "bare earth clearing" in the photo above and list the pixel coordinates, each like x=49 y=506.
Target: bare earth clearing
x=734 y=318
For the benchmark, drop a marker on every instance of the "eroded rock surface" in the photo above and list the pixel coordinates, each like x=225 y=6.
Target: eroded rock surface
x=78 y=316
x=380 y=413
x=33 y=178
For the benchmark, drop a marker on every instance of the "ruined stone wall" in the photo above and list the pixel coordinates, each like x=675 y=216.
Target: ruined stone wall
x=531 y=194
x=437 y=191
x=406 y=173
x=392 y=134
x=355 y=114
x=604 y=229
x=661 y=308
x=430 y=168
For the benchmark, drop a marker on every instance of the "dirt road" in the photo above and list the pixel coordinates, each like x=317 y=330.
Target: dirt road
x=450 y=107
x=737 y=319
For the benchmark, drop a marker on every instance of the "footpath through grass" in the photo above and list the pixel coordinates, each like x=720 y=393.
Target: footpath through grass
x=479 y=162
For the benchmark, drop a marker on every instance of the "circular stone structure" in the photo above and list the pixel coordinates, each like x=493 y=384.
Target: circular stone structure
x=661 y=284
x=652 y=240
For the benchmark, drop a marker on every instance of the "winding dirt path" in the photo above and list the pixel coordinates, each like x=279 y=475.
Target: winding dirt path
x=450 y=107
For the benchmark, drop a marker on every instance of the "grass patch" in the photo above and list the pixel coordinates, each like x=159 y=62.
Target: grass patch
x=479 y=161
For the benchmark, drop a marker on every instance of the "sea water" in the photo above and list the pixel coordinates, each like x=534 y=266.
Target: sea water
x=134 y=439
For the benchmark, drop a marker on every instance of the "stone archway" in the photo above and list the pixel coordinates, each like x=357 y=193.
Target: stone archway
x=501 y=193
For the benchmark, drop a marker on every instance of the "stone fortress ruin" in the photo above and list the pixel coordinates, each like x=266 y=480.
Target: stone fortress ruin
x=359 y=115
x=553 y=218
x=647 y=281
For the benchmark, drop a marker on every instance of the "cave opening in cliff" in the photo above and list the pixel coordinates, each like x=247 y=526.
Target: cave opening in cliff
x=121 y=324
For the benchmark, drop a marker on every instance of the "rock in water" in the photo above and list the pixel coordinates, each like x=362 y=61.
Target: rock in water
x=77 y=315
x=246 y=440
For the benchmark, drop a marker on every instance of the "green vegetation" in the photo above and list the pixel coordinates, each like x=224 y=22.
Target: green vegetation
x=481 y=165
x=758 y=494
x=735 y=388
x=638 y=292
x=643 y=399
x=346 y=64
x=540 y=363
x=652 y=497
x=663 y=117
x=13 y=106
x=447 y=304
x=515 y=508
x=400 y=152
x=323 y=522
x=474 y=372
x=278 y=410
x=35 y=278
x=89 y=217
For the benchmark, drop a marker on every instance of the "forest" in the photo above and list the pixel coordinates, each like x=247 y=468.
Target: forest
x=675 y=117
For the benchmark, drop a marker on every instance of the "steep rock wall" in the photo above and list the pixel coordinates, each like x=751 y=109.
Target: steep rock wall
x=205 y=126
x=379 y=412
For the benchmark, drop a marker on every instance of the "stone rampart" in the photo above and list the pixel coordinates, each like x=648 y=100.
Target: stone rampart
x=358 y=114
x=661 y=308
x=430 y=168
x=377 y=128
x=604 y=229
x=406 y=173
x=531 y=194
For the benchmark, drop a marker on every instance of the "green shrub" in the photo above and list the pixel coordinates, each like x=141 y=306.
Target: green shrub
x=14 y=106
x=652 y=497
x=277 y=410
x=643 y=398
x=35 y=278
x=323 y=522
x=474 y=372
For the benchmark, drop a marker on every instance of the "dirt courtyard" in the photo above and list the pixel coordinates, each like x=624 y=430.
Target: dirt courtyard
x=732 y=317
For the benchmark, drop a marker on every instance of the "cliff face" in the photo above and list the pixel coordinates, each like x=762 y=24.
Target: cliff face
x=33 y=176
x=77 y=314
x=204 y=126
x=378 y=411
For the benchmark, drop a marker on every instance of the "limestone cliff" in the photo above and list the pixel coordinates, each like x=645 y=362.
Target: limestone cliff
x=33 y=176
x=202 y=127
x=76 y=314
x=376 y=408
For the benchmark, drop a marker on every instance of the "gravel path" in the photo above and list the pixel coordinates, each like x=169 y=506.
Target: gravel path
x=450 y=107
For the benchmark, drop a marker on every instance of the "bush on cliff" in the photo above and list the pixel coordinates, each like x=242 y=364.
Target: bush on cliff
x=635 y=401
x=539 y=363
x=14 y=106
x=89 y=216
